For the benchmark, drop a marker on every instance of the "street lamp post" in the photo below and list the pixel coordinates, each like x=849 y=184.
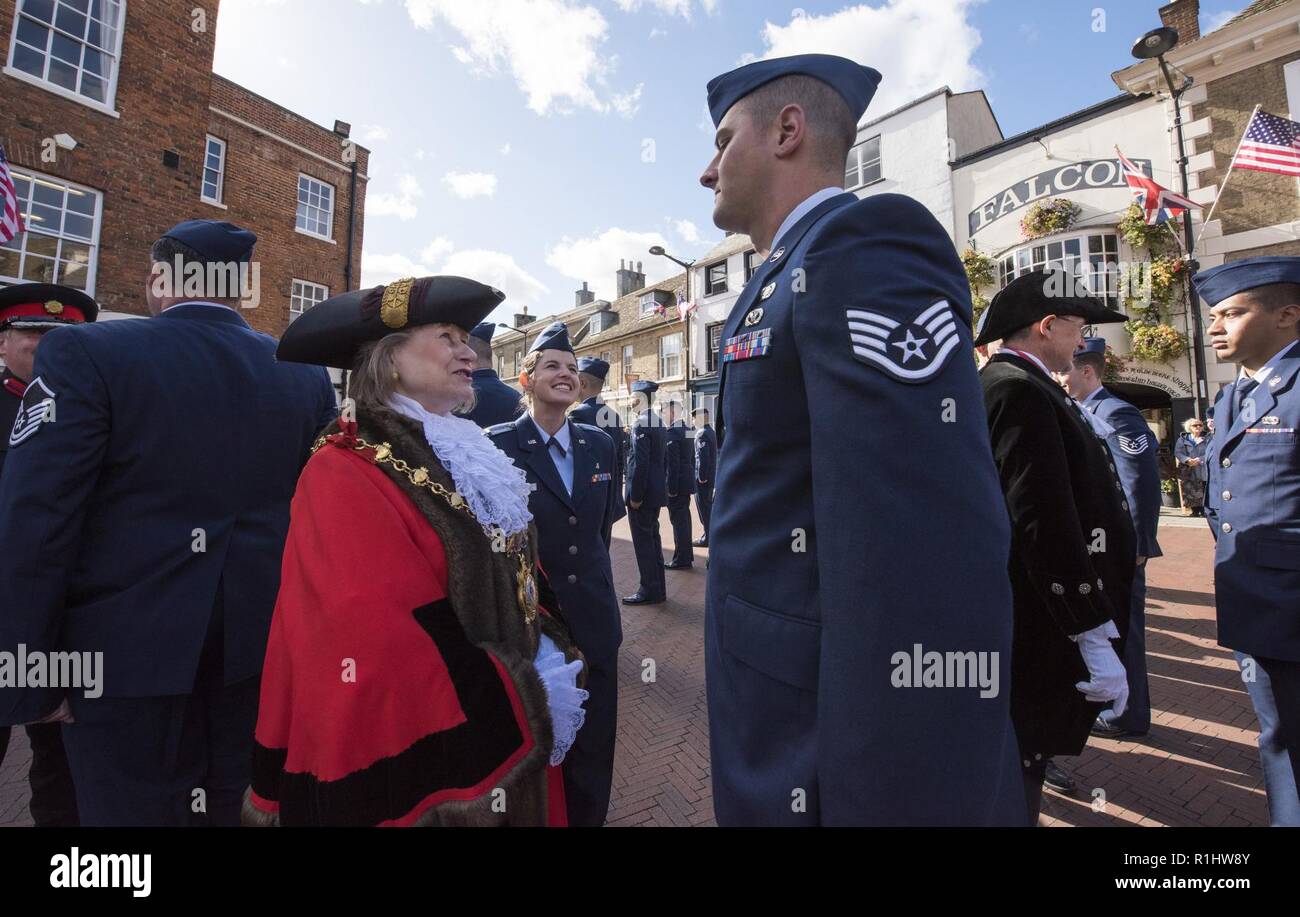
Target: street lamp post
x=520 y=331
x=687 y=265
x=1156 y=44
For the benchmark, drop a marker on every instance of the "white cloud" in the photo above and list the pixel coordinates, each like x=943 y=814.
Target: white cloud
x=1217 y=20
x=552 y=48
x=377 y=268
x=628 y=104
x=499 y=270
x=471 y=184
x=687 y=230
x=681 y=8
x=657 y=32
x=437 y=249
x=918 y=45
x=373 y=133
x=401 y=205
x=505 y=149
x=494 y=268
x=595 y=258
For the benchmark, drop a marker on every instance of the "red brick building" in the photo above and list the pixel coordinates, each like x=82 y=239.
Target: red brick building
x=116 y=128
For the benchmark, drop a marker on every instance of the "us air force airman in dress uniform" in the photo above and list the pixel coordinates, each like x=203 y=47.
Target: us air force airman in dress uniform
x=706 y=464
x=145 y=522
x=27 y=312
x=1133 y=447
x=494 y=401
x=1073 y=547
x=594 y=412
x=843 y=547
x=1252 y=502
x=571 y=466
x=680 y=484
x=646 y=495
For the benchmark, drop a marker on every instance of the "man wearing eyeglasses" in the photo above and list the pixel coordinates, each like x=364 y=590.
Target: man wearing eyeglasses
x=1072 y=540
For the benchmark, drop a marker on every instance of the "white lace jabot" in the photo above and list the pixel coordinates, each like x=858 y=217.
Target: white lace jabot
x=495 y=488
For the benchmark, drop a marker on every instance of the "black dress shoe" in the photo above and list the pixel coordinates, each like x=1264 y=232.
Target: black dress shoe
x=640 y=598
x=1058 y=779
x=677 y=566
x=1107 y=730
x=701 y=542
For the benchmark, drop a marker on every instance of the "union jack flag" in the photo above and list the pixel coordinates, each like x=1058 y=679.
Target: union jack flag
x=684 y=308
x=1158 y=203
x=11 y=217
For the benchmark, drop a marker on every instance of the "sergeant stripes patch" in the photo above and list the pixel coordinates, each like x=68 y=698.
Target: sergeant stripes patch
x=930 y=338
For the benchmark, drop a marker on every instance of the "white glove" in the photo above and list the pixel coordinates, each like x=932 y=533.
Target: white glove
x=1108 y=680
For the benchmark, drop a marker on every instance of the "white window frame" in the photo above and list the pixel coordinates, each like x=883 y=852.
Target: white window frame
x=1009 y=264
x=664 y=373
x=219 y=200
x=857 y=166
x=713 y=349
x=749 y=263
x=726 y=276
x=297 y=291
x=107 y=106
x=625 y=359
x=23 y=239
x=648 y=303
x=329 y=234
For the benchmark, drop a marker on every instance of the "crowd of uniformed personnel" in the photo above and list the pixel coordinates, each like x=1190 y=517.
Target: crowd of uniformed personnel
x=841 y=536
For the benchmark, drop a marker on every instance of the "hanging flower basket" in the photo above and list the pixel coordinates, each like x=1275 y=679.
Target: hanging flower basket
x=1047 y=217
x=979 y=268
x=1156 y=342
x=1134 y=230
x=1115 y=365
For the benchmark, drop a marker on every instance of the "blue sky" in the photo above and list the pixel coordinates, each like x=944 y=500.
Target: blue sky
x=533 y=143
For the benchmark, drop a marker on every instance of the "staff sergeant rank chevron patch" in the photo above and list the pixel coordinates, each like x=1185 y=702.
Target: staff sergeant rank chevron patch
x=1135 y=446
x=37 y=406
x=911 y=351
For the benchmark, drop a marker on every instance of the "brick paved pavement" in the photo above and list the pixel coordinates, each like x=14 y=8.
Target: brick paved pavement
x=1199 y=766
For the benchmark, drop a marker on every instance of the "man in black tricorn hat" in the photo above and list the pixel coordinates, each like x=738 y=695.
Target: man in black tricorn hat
x=1073 y=547
x=27 y=311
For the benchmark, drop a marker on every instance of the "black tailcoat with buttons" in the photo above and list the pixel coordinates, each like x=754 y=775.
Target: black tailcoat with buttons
x=595 y=413
x=842 y=536
x=1073 y=548
x=571 y=545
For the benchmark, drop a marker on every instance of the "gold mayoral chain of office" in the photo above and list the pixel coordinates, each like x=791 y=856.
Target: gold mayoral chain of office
x=516 y=545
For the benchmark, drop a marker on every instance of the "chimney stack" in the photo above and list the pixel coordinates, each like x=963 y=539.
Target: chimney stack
x=629 y=280
x=1184 y=16
x=523 y=318
x=584 y=296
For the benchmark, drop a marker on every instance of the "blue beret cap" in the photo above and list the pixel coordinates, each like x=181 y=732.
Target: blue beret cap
x=1092 y=345
x=1218 y=283
x=855 y=83
x=594 y=366
x=214 y=240
x=645 y=386
x=484 y=331
x=554 y=337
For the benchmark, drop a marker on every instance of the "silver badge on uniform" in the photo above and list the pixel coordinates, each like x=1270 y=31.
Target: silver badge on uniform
x=767 y=290
x=776 y=255
x=754 y=317
x=1271 y=421
x=37 y=406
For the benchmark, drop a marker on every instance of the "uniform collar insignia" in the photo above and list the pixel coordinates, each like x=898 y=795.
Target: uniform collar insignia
x=754 y=317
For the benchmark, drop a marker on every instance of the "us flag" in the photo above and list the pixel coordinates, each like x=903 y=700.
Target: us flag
x=11 y=218
x=1270 y=145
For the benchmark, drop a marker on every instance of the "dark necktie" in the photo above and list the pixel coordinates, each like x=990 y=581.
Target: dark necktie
x=1243 y=391
x=556 y=444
